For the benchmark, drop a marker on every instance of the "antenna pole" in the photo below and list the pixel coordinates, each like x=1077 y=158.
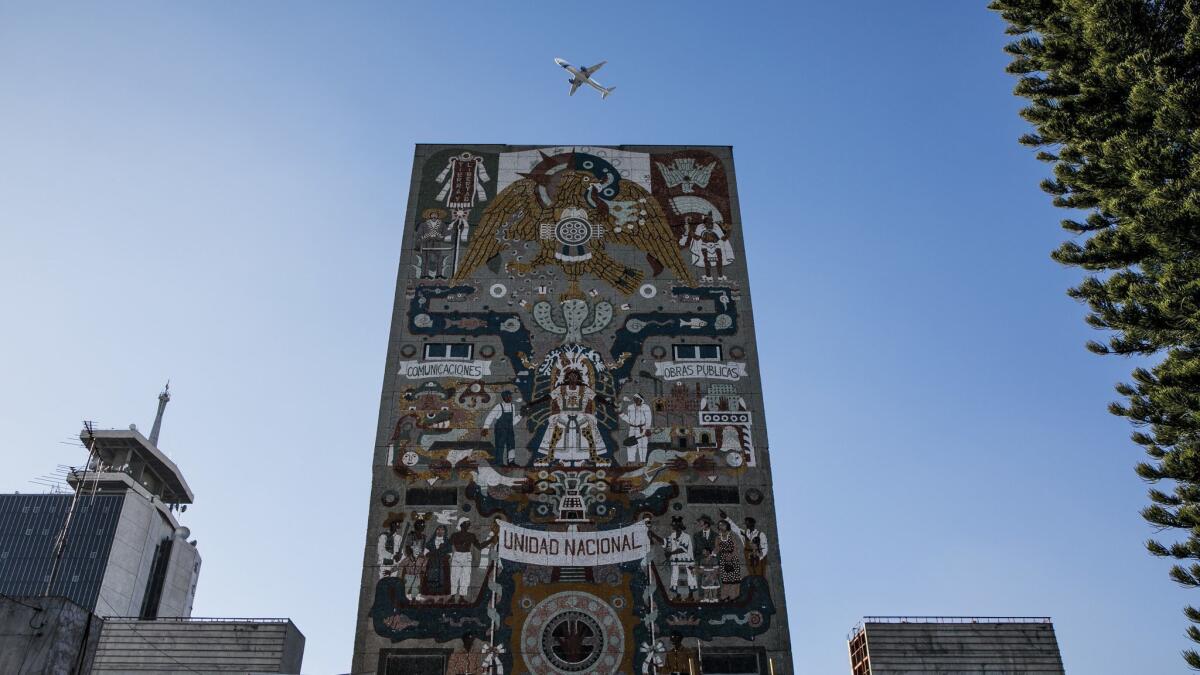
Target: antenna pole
x=653 y=645
x=60 y=543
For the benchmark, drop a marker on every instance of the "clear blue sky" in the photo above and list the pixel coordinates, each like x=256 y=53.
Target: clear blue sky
x=214 y=192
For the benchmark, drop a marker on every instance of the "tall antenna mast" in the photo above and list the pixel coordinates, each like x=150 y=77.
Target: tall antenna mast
x=163 y=397
x=60 y=543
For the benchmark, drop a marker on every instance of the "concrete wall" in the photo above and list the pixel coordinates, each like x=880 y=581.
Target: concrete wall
x=46 y=635
x=540 y=261
x=139 y=531
x=171 y=647
x=179 y=587
x=963 y=648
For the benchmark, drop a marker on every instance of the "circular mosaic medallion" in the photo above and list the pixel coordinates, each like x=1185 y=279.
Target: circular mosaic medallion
x=572 y=231
x=754 y=496
x=573 y=633
x=734 y=459
x=658 y=351
x=410 y=458
x=389 y=498
x=498 y=290
x=647 y=291
x=408 y=351
x=737 y=352
x=487 y=351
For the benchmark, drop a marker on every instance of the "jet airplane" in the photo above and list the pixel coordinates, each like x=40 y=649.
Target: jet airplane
x=581 y=76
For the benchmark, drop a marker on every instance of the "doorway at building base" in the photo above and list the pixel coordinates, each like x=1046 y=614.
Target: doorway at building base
x=572 y=473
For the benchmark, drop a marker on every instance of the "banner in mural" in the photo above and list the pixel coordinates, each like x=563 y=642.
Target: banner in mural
x=573 y=549
x=420 y=370
x=709 y=370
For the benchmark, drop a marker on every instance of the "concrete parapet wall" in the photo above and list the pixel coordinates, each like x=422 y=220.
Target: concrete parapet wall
x=46 y=635
x=962 y=648
x=166 y=647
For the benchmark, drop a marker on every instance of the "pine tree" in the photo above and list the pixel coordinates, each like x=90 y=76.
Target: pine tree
x=1114 y=98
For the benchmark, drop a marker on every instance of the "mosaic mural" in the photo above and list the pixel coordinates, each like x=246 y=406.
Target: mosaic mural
x=572 y=474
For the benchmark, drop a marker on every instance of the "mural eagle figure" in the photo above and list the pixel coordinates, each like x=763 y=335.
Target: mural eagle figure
x=573 y=205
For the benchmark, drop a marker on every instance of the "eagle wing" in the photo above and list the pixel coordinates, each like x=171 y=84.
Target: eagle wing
x=514 y=214
x=653 y=235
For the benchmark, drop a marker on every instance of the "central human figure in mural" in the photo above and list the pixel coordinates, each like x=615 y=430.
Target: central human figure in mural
x=572 y=387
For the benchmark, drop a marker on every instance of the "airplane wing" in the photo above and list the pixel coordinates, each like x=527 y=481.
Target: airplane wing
x=574 y=85
x=591 y=69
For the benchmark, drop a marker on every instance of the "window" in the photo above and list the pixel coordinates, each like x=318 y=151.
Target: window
x=431 y=496
x=712 y=494
x=412 y=661
x=734 y=662
x=445 y=350
x=697 y=352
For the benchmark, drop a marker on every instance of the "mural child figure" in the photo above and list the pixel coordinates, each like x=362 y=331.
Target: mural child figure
x=730 y=559
x=500 y=420
x=754 y=545
x=461 y=558
x=411 y=569
x=638 y=416
x=710 y=247
x=437 y=570
x=710 y=575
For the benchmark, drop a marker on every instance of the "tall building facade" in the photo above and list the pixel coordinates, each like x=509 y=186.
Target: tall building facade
x=571 y=473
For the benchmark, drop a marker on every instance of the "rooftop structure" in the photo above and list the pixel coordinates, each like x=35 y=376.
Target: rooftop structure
x=954 y=645
x=115 y=546
x=127 y=573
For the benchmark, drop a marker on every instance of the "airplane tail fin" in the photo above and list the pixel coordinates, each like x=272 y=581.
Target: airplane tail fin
x=607 y=92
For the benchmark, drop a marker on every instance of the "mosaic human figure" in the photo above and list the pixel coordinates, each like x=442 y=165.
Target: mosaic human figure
x=462 y=557
x=709 y=245
x=705 y=537
x=573 y=436
x=638 y=416
x=410 y=569
x=710 y=576
x=500 y=420
x=467 y=660
x=678 y=548
x=754 y=545
x=437 y=570
x=389 y=548
x=435 y=243
x=678 y=659
x=729 y=554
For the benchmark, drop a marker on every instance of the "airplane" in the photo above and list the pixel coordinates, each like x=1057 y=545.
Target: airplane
x=581 y=76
